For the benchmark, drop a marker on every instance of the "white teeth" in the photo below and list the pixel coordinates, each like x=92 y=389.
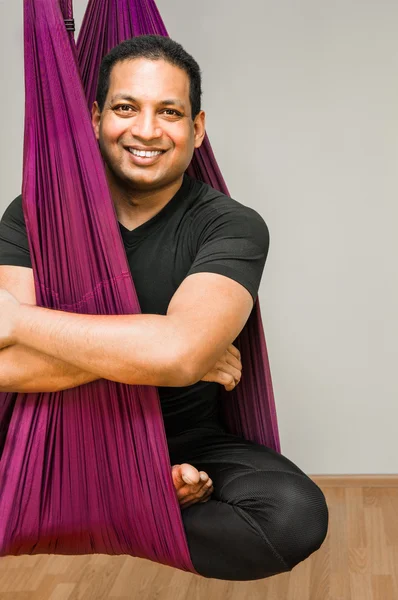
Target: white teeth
x=144 y=154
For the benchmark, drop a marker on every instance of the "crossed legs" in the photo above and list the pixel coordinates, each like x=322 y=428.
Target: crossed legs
x=265 y=515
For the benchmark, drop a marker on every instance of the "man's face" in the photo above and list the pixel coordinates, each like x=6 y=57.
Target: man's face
x=147 y=109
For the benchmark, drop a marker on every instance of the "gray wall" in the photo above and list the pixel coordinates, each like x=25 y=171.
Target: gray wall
x=302 y=102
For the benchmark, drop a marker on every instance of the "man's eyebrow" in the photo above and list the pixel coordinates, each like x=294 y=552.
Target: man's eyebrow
x=172 y=101
x=122 y=97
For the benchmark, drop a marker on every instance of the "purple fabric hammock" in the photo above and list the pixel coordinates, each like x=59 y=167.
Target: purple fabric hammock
x=87 y=470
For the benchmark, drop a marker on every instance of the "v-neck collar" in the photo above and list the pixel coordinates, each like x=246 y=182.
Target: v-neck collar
x=131 y=237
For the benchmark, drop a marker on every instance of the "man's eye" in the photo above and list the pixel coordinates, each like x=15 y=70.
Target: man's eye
x=123 y=107
x=172 y=113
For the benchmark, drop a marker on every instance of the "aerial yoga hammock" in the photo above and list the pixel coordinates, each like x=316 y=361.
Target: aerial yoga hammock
x=87 y=470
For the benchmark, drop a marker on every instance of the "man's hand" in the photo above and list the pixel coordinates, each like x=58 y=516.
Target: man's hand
x=8 y=318
x=191 y=485
x=227 y=370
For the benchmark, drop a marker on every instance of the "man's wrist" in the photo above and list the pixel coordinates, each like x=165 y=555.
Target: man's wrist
x=21 y=315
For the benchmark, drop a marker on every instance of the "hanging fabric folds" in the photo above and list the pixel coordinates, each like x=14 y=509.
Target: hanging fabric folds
x=87 y=470
x=249 y=410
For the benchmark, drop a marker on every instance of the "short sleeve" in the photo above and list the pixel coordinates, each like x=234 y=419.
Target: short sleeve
x=14 y=246
x=232 y=240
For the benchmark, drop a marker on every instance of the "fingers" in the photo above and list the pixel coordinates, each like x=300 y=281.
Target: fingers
x=228 y=369
x=227 y=372
x=196 y=493
x=226 y=379
x=189 y=480
x=189 y=474
x=232 y=357
x=234 y=351
x=184 y=475
x=232 y=366
x=201 y=496
x=233 y=363
x=200 y=492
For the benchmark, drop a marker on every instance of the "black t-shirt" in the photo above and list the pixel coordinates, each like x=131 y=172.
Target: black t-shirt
x=199 y=230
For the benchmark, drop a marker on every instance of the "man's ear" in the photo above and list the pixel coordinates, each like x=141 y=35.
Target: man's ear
x=96 y=118
x=199 y=125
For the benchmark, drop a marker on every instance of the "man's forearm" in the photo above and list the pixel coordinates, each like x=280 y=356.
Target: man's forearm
x=135 y=349
x=26 y=370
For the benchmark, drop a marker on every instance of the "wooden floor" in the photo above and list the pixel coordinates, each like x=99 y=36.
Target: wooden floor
x=358 y=561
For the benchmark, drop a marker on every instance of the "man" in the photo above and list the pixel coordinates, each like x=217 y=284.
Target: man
x=196 y=258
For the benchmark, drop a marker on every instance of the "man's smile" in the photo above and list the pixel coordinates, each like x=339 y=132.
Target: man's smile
x=144 y=157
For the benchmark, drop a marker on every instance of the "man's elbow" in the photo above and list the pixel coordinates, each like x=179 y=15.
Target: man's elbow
x=188 y=370
x=185 y=378
x=177 y=375
x=179 y=370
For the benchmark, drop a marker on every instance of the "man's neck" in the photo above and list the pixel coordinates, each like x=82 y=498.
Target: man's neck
x=135 y=207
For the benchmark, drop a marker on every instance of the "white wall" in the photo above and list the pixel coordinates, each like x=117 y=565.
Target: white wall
x=302 y=103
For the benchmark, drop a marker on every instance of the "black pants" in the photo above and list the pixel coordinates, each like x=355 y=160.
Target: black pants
x=264 y=516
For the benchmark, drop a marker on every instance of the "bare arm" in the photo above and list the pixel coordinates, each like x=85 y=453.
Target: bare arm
x=205 y=315
x=24 y=369
x=27 y=370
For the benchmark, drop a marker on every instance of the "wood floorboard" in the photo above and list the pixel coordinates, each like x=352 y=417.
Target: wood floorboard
x=358 y=561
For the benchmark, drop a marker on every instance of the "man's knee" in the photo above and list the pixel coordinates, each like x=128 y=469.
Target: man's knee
x=288 y=510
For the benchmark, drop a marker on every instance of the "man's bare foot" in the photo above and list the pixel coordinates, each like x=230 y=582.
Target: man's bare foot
x=191 y=485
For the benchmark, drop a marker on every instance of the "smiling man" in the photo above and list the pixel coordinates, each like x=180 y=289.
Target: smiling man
x=196 y=258
x=147 y=135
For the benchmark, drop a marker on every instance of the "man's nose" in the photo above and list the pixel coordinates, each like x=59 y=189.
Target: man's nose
x=146 y=126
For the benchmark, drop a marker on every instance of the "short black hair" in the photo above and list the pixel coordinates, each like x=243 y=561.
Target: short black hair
x=152 y=47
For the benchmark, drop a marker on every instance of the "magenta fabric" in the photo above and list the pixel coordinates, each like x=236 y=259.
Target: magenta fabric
x=87 y=470
x=250 y=409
